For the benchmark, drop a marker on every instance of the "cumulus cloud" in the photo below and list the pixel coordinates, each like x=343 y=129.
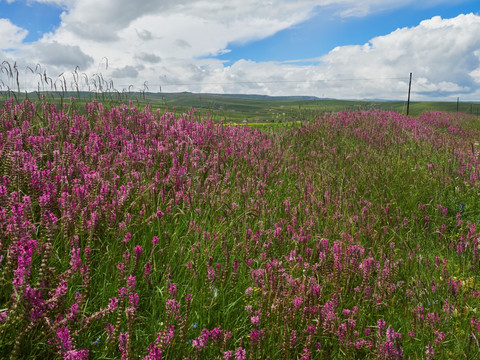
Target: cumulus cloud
x=11 y=36
x=148 y=57
x=173 y=44
x=442 y=54
x=125 y=72
x=59 y=55
x=104 y=18
x=208 y=26
x=171 y=30
x=145 y=35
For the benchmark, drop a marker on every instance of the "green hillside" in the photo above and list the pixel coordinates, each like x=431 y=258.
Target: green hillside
x=240 y=108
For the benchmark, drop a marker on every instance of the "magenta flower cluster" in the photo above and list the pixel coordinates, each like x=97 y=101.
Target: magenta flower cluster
x=128 y=232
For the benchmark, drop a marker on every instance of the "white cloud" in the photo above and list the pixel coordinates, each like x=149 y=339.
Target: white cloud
x=11 y=36
x=148 y=57
x=442 y=51
x=61 y=55
x=125 y=72
x=172 y=30
x=172 y=42
x=443 y=54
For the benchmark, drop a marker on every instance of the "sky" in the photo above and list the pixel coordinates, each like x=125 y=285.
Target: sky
x=344 y=49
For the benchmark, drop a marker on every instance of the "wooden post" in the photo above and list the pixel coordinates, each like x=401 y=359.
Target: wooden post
x=458 y=101
x=409 y=88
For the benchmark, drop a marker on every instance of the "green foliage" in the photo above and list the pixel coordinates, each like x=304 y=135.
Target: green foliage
x=346 y=235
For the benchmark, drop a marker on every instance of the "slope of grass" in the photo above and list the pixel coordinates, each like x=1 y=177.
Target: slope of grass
x=128 y=232
x=243 y=109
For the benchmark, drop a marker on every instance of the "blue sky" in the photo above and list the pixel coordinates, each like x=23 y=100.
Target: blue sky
x=325 y=31
x=37 y=18
x=252 y=46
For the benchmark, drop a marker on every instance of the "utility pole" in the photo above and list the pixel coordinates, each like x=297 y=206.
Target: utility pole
x=409 y=88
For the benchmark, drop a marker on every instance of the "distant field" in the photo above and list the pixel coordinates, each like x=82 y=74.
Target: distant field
x=244 y=108
x=253 y=108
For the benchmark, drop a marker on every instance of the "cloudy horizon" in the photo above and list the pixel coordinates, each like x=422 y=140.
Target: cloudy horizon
x=341 y=49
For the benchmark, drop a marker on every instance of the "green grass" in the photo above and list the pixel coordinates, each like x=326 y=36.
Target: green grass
x=249 y=108
x=336 y=222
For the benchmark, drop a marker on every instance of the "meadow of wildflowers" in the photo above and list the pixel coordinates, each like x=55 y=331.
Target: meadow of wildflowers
x=128 y=233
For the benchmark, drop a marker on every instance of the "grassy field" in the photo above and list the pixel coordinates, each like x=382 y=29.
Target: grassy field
x=128 y=232
x=246 y=108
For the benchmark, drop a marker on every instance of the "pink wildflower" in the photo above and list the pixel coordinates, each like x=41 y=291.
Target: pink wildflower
x=240 y=354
